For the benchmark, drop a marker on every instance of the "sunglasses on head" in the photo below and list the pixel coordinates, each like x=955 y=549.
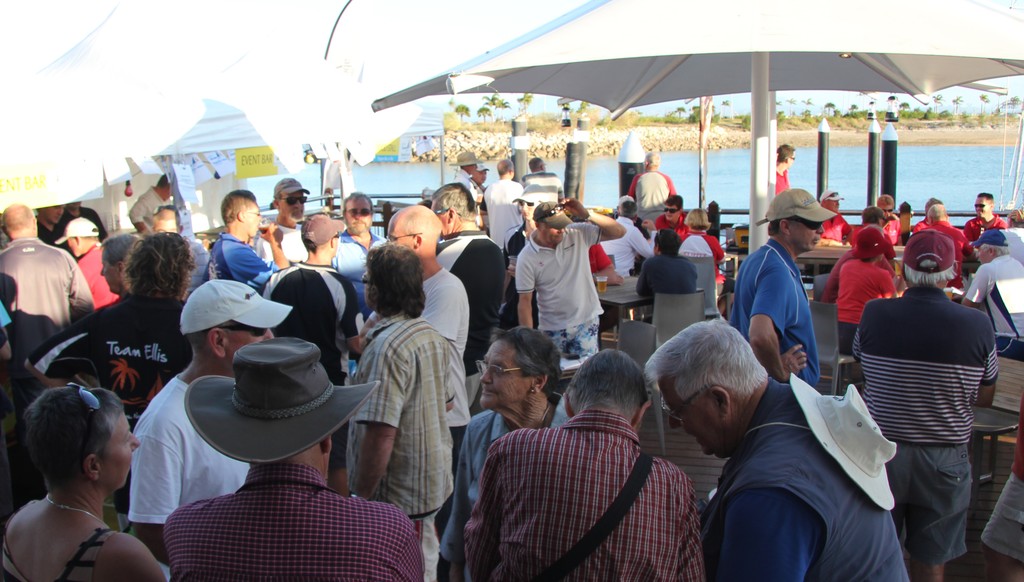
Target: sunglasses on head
x=293 y=200
x=256 y=331
x=807 y=223
x=550 y=213
x=359 y=212
x=92 y=404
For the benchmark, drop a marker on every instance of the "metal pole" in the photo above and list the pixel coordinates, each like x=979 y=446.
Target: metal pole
x=824 y=132
x=889 y=145
x=581 y=136
x=874 y=133
x=520 y=148
x=760 y=148
x=572 y=169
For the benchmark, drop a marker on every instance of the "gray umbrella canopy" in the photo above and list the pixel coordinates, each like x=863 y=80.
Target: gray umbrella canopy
x=625 y=53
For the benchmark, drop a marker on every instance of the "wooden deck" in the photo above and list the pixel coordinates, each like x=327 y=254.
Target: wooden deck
x=704 y=470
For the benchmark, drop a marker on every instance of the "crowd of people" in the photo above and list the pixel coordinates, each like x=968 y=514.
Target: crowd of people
x=309 y=399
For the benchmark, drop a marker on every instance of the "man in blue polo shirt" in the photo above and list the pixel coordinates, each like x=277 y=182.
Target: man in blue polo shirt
x=355 y=242
x=770 y=307
x=232 y=256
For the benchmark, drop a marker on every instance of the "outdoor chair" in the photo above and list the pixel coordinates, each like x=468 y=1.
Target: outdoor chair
x=706 y=269
x=674 y=313
x=637 y=340
x=819 y=286
x=825 y=318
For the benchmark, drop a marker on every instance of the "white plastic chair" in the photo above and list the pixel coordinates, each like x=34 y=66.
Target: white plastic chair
x=706 y=269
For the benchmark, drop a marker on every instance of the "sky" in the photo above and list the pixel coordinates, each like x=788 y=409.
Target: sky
x=398 y=43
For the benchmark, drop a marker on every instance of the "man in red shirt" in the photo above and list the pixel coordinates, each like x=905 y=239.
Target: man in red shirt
x=892 y=221
x=985 y=219
x=925 y=223
x=651 y=188
x=83 y=238
x=864 y=279
x=938 y=220
x=674 y=218
x=836 y=229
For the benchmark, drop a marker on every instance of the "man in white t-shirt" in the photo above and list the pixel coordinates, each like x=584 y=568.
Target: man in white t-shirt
x=625 y=250
x=173 y=465
x=290 y=202
x=555 y=264
x=502 y=213
x=998 y=289
x=141 y=213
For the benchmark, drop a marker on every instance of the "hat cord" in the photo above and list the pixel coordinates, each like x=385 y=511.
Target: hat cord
x=279 y=413
x=752 y=429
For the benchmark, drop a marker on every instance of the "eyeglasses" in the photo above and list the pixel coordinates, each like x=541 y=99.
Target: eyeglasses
x=394 y=238
x=671 y=210
x=495 y=369
x=807 y=223
x=442 y=211
x=256 y=331
x=359 y=212
x=673 y=413
x=93 y=404
x=255 y=213
x=293 y=200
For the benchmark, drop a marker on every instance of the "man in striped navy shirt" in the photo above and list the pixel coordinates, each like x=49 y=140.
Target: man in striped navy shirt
x=927 y=362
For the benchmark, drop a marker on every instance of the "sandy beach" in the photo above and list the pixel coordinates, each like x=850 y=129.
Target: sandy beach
x=947 y=136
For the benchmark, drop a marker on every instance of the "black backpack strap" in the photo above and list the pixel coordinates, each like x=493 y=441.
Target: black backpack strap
x=604 y=526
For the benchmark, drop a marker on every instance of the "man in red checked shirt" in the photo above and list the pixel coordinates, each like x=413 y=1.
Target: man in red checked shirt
x=985 y=219
x=531 y=511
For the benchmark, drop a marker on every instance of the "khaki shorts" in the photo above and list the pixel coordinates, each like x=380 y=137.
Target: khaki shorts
x=1005 y=530
x=932 y=487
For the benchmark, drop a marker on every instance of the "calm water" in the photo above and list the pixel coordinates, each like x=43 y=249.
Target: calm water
x=954 y=174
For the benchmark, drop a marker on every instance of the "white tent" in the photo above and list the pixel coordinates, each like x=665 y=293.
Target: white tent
x=624 y=53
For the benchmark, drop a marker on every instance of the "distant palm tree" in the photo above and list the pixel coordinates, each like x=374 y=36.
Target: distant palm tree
x=853 y=109
x=484 y=113
x=938 y=101
x=451 y=103
x=791 y=103
x=679 y=112
x=809 y=102
x=956 y=104
x=904 y=106
x=830 y=109
x=1014 y=103
x=727 y=103
x=524 y=102
x=462 y=111
x=583 y=106
x=984 y=102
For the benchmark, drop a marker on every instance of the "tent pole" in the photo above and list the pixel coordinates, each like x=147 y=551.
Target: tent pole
x=760 y=147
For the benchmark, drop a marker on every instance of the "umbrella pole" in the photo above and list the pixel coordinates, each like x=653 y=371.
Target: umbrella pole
x=760 y=147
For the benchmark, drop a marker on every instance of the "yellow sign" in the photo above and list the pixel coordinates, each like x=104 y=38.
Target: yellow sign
x=25 y=179
x=253 y=162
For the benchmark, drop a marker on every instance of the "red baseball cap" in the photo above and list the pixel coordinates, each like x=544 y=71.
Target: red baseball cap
x=871 y=242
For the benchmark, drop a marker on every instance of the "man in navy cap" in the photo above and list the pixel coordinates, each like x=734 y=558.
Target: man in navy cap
x=998 y=289
x=927 y=362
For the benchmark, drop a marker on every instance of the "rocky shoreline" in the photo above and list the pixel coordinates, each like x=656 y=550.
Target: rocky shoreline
x=607 y=141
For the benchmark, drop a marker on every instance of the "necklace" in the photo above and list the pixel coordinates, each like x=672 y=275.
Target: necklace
x=69 y=508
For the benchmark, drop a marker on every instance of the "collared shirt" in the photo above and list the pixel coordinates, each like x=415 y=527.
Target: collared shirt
x=484 y=429
x=961 y=246
x=976 y=226
x=542 y=490
x=234 y=260
x=836 y=228
x=350 y=261
x=625 y=249
x=410 y=360
x=91 y=264
x=561 y=278
x=998 y=284
x=924 y=357
x=502 y=213
x=285 y=524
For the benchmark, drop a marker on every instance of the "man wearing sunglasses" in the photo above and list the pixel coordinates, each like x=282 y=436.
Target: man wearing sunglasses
x=355 y=243
x=173 y=465
x=985 y=219
x=555 y=264
x=290 y=202
x=770 y=307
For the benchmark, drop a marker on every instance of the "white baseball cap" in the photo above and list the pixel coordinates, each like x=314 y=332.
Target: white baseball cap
x=79 y=227
x=219 y=301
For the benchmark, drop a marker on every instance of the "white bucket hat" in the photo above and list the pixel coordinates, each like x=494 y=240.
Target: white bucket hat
x=847 y=432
